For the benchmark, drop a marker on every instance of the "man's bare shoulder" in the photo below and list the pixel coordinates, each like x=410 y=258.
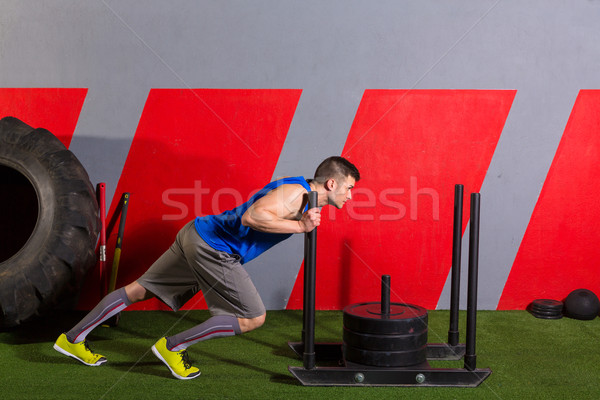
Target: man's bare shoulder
x=293 y=187
x=288 y=193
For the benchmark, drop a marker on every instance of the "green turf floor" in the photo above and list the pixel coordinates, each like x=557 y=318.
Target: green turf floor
x=530 y=359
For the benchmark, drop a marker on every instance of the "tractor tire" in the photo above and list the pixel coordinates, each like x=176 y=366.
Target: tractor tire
x=49 y=223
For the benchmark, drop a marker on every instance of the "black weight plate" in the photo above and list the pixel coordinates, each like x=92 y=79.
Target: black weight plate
x=541 y=315
x=385 y=358
x=536 y=308
x=559 y=316
x=369 y=341
x=551 y=316
x=545 y=310
x=367 y=318
x=547 y=304
x=554 y=314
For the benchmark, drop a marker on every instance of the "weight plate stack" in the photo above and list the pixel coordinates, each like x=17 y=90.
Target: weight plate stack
x=397 y=339
x=546 y=309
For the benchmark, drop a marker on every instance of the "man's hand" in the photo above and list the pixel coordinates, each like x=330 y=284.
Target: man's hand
x=310 y=219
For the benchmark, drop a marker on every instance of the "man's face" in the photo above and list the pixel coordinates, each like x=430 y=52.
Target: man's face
x=341 y=191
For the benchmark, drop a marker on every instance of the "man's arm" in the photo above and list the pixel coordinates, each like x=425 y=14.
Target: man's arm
x=278 y=210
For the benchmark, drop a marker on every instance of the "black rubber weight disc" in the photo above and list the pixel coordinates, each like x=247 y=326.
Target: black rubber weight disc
x=369 y=341
x=403 y=319
x=552 y=312
x=540 y=309
x=547 y=304
x=541 y=316
x=385 y=358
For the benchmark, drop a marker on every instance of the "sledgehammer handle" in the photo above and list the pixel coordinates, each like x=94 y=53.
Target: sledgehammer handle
x=101 y=189
x=117 y=256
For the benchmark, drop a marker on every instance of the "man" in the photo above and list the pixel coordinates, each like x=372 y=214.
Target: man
x=208 y=255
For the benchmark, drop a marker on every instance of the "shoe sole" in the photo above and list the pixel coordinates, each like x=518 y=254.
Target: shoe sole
x=66 y=353
x=157 y=354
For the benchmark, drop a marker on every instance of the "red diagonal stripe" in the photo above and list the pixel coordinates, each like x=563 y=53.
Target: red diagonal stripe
x=560 y=247
x=54 y=109
x=411 y=148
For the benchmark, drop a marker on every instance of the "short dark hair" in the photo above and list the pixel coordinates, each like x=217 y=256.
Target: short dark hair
x=337 y=168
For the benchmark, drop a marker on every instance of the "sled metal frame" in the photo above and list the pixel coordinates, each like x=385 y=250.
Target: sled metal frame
x=345 y=373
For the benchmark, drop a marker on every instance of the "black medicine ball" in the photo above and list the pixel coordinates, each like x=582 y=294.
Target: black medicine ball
x=582 y=304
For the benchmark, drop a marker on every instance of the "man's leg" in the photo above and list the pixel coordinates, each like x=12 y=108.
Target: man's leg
x=228 y=292
x=172 y=349
x=73 y=343
x=214 y=327
x=249 y=324
x=168 y=278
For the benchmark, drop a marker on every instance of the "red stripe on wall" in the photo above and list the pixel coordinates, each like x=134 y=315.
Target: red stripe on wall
x=411 y=147
x=54 y=109
x=560 y=246
x=195 y=152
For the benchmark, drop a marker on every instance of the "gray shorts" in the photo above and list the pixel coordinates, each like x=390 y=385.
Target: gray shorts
x=191 y=265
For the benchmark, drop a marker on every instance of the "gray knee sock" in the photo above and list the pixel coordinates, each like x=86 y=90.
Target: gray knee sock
x=111 y=304
x=212 y=328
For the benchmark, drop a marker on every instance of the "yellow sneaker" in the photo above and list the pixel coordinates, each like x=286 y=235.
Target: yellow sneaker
x=79 y=351
x=176 y=361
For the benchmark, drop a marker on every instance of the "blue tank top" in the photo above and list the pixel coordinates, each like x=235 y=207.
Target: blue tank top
x=225 y=232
